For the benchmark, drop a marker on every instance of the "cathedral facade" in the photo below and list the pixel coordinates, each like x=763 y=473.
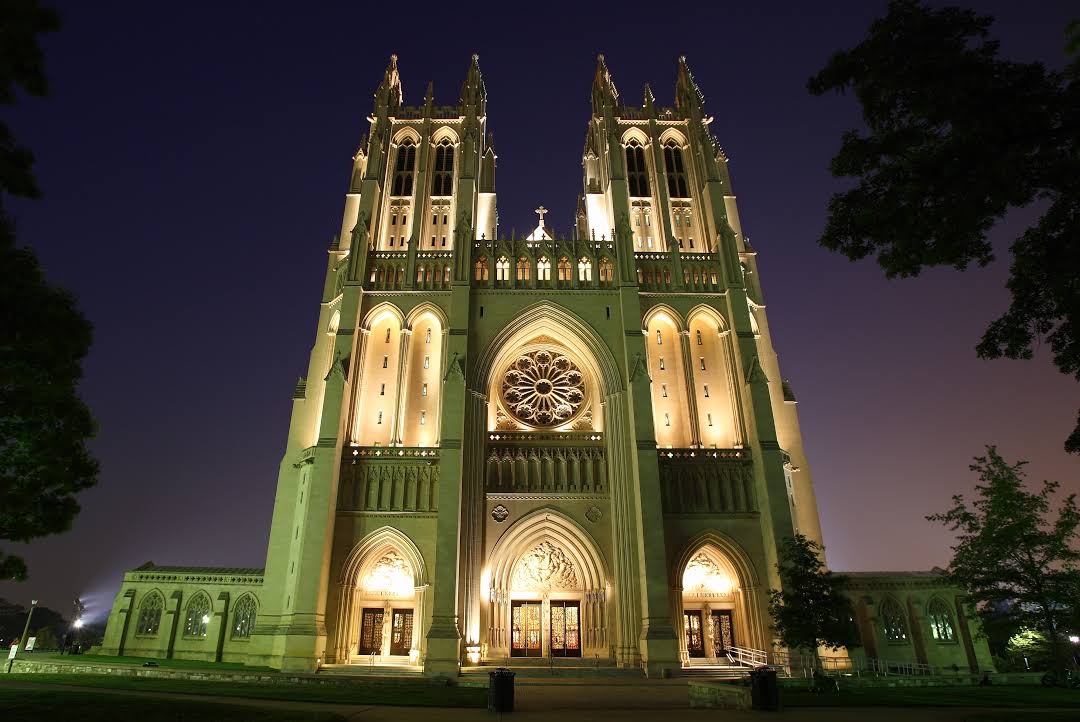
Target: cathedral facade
x=550 y=446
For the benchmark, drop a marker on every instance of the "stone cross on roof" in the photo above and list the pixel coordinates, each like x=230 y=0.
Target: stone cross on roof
x=540 y=212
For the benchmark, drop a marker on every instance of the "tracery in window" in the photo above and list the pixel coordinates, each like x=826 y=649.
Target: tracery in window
x=941 y=624
x=543 y=269
x=442 y=181
x=564 y=269
x=585 y=270
x=150 y=614
x=637 y=174
x=404 y=166
x=502 y=269
x=244 y=617
x=482 y=269
x=523 y=269
x=198 y=616
x=607 y=270
x=675 y=171
x=892 y=619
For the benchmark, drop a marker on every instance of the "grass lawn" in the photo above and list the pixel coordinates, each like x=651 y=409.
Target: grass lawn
x=418 y=694
x=166 y=663
x=46 y=704
x=997 y=696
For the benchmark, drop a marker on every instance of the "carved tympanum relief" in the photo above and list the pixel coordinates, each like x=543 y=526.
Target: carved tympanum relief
x=545 y=566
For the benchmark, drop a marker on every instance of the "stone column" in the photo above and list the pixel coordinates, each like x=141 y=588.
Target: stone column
x=689 y=370
x=219 y=625
x=400 y=402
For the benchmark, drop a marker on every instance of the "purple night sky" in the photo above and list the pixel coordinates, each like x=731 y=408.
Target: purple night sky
x=194 y=159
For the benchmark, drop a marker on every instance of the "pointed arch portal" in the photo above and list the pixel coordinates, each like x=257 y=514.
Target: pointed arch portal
x=546 y=590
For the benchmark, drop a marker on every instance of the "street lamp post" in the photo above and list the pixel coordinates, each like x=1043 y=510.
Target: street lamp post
x=25 y=631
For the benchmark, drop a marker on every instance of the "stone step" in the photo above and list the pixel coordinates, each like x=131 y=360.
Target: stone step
x=383 y=671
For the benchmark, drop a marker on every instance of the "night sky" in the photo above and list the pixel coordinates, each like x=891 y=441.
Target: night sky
x=194 y=160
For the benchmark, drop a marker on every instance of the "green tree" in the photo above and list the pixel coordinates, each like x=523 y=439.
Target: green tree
x=1010 y=555
x=955 y=137
x=810 y=610
x=44 y=424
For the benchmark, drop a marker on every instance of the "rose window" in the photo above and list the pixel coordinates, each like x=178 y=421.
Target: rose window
x=543 y=388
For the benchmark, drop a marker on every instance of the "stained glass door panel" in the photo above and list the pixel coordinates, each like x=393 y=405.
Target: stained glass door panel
x=401 y=631
x=565 y=629
x=695 y=645
x=525 y=640
x=371 y=623
x=723 y=632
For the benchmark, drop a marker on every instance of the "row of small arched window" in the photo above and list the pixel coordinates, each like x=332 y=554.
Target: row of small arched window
x=523 y=270
x=196 y=616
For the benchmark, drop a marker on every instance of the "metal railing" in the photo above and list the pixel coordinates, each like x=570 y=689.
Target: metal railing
x=747 y=656
x=794 y=665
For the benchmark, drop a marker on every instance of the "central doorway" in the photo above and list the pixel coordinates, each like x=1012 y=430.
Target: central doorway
x=565 y=629
x=526 y=636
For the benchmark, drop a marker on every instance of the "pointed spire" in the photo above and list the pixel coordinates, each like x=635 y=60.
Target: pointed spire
x=604 y=92
x=388 y=94
x=687 y=93
x=473 y=91
x=649 y=97
x=490 y=144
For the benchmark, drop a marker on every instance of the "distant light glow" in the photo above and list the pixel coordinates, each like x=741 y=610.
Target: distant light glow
x=1074 y=639
x=78 y=623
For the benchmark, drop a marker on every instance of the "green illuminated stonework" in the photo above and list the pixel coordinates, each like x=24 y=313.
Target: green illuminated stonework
x=535 y=446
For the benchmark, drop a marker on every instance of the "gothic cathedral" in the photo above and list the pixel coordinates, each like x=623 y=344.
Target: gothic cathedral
x=545 y=447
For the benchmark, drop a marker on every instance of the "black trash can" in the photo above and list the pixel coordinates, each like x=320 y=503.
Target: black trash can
x=764 y=689
x=501 y=691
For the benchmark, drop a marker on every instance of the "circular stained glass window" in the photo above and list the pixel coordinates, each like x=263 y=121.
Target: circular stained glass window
x=543 y=388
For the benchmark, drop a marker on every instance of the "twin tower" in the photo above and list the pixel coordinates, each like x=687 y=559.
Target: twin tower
x=572 y=445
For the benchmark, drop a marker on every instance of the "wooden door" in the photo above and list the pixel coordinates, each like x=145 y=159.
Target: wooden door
x=723 y=632
x=371 y=623
x=401 y=631
x=565 y=629
x=525 y=639
x=695 y=644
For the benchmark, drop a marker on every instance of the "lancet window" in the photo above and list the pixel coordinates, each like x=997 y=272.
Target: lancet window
x=502 y=269
x=675 y=171
x=150 y=615
x=585 y=270
x=637 y=173
x=941 y=623
x=543 y=269
x=892 y=619
x=404 y=168
x=482 y=269
x=442 y=180
x=523 y=269
x=198 y=616
x=607 y=271
x=564 y=269
x=244 y=617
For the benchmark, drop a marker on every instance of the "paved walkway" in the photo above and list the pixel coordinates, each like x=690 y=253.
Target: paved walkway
x=580 y=703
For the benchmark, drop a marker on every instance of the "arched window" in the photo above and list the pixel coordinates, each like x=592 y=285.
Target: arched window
x=676 y=173
x=198 y=616
x=244 y=617
x=892 y=620
x=482 y=269
x=442 y=182
x=637 y=175
x=523 y=269
x=502 y=269
x=543 y=269
x=671 y=408
x=150 y=615
x=584 y=268
x=941 y=624
x=404 y=166
x=607 y=270
x=564 y=269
